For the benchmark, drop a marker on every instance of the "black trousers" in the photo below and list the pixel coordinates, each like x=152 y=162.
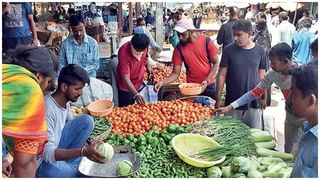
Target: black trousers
x=125 y=98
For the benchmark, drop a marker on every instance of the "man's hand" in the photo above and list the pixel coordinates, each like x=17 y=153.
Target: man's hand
x=204 y=85
x=158 y=86
x=150 y=74
x=218 y=103
x=139 y=99
x=5 y=7
x=6 y=167
x=91 y=153
x=158 y=49
x=35 y=42
x=264 y=103
x=224 y=110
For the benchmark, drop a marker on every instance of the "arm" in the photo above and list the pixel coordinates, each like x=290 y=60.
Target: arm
x=253 y=94
x=62 y=59
x=32 y=25
x=93 y=64
x=24 y=164
x=5 y=7
x=220 y=35
x=171 y=78
x=221 y=80
x=214 y=59
x=153 y=43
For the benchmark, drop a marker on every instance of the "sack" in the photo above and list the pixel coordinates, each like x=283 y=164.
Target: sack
x=95 y=91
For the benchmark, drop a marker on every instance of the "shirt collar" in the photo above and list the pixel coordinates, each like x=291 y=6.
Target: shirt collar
x=308 y=128
x=85 y=39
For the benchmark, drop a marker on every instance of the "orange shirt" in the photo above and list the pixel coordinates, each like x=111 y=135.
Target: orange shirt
x=196 y=57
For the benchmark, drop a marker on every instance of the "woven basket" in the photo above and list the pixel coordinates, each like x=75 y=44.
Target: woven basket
x=104 y=135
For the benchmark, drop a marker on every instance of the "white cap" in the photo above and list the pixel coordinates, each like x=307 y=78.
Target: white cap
x=183 y=25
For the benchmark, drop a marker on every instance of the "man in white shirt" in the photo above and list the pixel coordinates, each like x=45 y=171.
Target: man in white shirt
x=285 y=29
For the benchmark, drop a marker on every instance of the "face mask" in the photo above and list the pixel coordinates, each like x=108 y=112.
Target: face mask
x=136 y=54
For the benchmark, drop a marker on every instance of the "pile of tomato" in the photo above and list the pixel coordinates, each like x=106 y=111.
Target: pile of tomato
x=161 y=73
x=137 y=119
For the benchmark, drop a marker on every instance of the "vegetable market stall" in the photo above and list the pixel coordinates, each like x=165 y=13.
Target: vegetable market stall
x=149 y=130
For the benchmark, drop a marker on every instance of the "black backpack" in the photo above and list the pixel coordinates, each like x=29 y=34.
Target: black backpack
x=184 y=60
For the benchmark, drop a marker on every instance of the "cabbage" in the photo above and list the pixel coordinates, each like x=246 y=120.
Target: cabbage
x=124 y=168
x=214 y=172
x=240 y=164
x=106 y=150
x=254 y=174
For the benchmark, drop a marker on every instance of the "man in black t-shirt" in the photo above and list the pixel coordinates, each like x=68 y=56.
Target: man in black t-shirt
x=242 y=66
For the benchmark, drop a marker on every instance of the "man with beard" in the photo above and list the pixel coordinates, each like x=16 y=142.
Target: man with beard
x=80 y=48
x=243 y=64
x=199 y=55
x=280 y=63
x=67 y=135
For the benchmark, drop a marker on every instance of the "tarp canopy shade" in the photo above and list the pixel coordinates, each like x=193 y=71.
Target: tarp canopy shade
x=289 y=6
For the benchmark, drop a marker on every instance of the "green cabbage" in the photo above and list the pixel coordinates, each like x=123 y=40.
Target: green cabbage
x=240 y=164
x=254 y=174
x=124 y=168
x=214 y=172
x=106 y=150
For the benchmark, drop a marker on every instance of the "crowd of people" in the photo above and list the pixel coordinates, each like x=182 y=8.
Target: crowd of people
x=44 y=138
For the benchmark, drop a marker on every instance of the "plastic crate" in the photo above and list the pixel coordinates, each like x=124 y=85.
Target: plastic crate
x=103 y=71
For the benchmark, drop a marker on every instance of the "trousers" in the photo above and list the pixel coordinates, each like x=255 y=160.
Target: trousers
x=74 y=135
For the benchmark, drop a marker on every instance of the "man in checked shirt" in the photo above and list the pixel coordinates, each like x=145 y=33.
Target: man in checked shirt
x=80 y=48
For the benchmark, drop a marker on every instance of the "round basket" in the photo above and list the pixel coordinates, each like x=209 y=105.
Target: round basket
x=100 y=107
x=189 y=89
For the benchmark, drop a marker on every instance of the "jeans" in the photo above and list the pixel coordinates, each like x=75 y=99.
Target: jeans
x=210 y=91
x=74 y=135
x=12 y=43
x=251 y=117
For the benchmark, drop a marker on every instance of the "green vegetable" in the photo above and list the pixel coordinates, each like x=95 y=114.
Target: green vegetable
x=254 y=174
x=286 y=172
x=239 y=175
x=130 y=137
x=267 y=145
x=172 y=128
x=214 y=172
x=124 y=168
x=254 y=130
x=268 y=152
x=226 y=171
x=262 y=136
x=276 y=167
x=233 y=135
x=267 y=174
x=106 y=150
x=240 y=164
x=268 y=160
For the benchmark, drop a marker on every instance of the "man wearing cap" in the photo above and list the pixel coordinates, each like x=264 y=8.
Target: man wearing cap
x=199 y=57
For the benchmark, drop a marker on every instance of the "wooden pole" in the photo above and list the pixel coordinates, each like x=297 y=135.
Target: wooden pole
x=295 y=14
x=120 y=20
x=130 y=18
